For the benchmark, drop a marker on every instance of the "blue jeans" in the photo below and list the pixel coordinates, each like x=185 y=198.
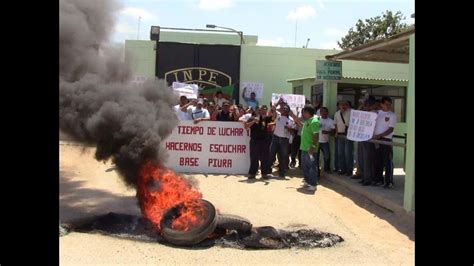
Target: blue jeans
x=310 y=169
x=345 y=150
x=280 y=146
x=324 y=147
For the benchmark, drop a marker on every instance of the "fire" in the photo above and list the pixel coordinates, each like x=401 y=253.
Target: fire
x=160 y=189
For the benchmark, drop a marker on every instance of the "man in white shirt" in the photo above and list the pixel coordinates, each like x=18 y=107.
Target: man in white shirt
x=384 y=127
x=280 y=139
x=183 y=100
x=345 y=147
x=327 y=128
x=197 y=113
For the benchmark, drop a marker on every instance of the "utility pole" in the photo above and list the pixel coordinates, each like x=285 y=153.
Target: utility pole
x=138 y=31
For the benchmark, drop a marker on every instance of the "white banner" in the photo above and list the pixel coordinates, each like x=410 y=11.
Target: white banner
x=252 y=87
x=209 y=147
x=188 y=90
x=361 y=125
x=293 y=100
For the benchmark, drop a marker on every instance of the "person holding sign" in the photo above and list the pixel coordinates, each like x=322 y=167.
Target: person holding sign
x=252 y=102
x=367 y=162
x=384 y=126
x=309 y=146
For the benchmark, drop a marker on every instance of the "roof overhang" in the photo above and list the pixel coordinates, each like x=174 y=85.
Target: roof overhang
x=394 y=49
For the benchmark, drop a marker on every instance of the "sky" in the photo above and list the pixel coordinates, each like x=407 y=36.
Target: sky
x=275 y=22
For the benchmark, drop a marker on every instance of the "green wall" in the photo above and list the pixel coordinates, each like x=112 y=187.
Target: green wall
x=409 y=196
x=272 y=66
x=141 y=55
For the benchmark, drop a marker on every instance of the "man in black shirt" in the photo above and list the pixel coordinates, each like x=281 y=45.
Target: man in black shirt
x=259 y=143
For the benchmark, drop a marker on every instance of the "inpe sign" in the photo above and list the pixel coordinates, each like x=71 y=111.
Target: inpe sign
x=207 y=65
x=203 y=77
x=328 y=70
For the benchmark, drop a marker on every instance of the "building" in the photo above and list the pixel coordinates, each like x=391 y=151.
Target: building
x=290 y=70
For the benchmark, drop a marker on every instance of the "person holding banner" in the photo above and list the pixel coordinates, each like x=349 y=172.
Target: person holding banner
x=251 y=102
x=309 y=146
x=259 y=143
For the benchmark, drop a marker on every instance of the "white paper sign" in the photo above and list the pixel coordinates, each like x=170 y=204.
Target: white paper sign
x=252 y=87
x=361 y=125
x=188 y=90
x=209 y=147
x=293 y=100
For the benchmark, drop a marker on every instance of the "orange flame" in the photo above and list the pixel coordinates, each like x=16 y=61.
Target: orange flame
x=161 y=189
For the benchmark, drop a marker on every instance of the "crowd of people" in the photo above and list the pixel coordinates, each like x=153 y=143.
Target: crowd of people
x=280 y=138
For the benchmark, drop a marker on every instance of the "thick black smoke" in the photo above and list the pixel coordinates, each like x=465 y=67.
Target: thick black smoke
x=97 y=105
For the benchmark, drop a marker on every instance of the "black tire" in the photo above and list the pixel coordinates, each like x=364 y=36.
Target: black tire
x=233 y=222
x=193 y=236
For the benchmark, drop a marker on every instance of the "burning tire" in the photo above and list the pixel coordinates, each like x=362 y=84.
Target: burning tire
x=229 y=221
x=195 y=234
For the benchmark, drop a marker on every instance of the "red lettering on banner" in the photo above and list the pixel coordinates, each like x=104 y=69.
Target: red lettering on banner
x=211 y=131
x=219 y=163
x=183 y=146
x=190 y=130
x=186 y=161
x=228 y=148
x=231 y=131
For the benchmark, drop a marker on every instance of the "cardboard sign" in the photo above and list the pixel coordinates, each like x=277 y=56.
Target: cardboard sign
x=361 y=125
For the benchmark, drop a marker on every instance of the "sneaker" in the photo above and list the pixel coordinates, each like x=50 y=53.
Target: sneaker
x=311 y=188
x=267 y=176
x=389 y=185
x=356 y=177
x=292 y=165
x=281 y=175
x=361 y=181
x=304 y=183
x=251 y=176
x=366 y=183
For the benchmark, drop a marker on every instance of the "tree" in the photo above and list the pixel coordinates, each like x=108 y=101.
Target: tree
x=372 y=29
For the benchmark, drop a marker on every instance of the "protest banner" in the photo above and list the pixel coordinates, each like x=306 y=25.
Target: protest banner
x=209 y=147
x=227 y=92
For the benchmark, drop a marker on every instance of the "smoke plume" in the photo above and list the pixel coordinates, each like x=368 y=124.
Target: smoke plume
x=97 y=104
